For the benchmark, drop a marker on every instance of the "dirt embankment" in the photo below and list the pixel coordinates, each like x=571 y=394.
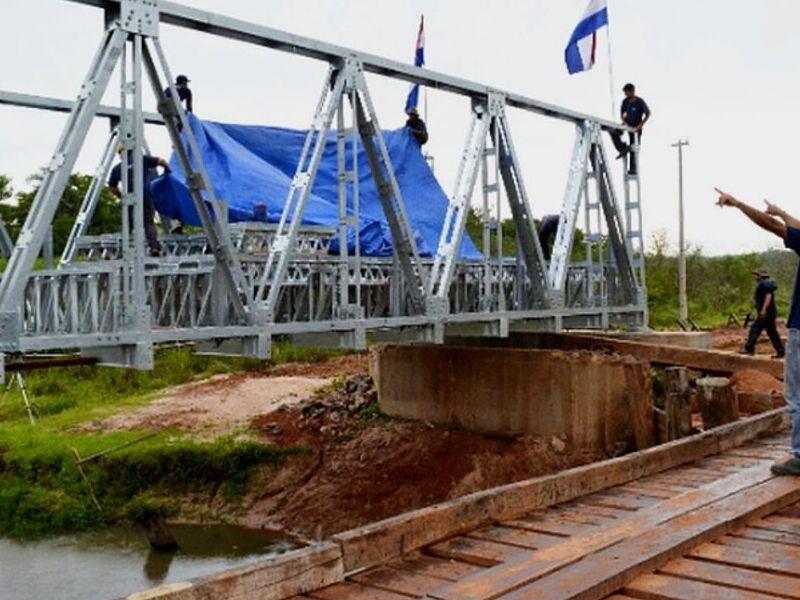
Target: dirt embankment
x=363 y=467
x=360 y=467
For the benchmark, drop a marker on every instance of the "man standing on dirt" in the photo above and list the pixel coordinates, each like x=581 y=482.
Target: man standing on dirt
x=766 y=313
x=787 y=228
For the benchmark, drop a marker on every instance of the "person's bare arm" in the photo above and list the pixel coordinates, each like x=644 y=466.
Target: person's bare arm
x=767 y=300
x=777 y=211
x=758 y=217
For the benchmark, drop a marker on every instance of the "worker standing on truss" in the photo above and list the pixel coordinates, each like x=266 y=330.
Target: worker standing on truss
x=634 y=112
x=417 y=126
x=149 y=163
x=787 y=228
x=184 y=93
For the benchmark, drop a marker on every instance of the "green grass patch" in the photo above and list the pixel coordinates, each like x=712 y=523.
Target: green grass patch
x=41 y=488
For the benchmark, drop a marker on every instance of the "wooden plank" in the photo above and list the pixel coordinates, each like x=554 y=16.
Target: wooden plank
x=477 y=552
x=640 y=401
x=750 y=559
x=355 y=591
x=765 y=535
x=516 y=573
x=415 y=585
x=650 y=490
x=712 y=361
x=759 y=545
x=556 y=527
x=717 y=401
x=677 y=404
x=392 y=538
x=662 y=587
x=735 y=577
x=290 y=574
x=515 y=537
x=433 y=566
x=779 y=523
x=602 y=511
x=618 y=499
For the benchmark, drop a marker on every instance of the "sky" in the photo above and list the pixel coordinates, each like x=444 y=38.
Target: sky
x=722 y=74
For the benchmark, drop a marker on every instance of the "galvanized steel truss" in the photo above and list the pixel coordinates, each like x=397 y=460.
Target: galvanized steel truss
x=232 y=288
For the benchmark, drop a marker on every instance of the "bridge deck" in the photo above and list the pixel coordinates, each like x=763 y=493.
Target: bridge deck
x=721 y=527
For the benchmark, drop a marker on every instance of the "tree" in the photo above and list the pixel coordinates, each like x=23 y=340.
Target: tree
x=106 y=216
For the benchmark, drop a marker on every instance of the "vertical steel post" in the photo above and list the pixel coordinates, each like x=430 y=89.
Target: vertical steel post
x=683 y=306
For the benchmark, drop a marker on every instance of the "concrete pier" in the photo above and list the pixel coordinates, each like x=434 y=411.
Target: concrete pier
x=582 y=397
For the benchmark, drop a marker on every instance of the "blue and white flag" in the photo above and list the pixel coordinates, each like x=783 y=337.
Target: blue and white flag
x=419 y=60
x=580 y=52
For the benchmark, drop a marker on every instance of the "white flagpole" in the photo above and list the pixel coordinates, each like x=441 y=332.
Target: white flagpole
x=611 y=87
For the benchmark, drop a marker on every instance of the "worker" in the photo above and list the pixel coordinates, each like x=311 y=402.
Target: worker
x=766 y=313
x=149 y=210
x=634 y=113
x=779 y=222
x=548 y=228
x=417 y=126
x=184 y=93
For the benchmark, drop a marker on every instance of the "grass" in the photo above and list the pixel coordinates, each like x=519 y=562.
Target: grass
x=41 y=488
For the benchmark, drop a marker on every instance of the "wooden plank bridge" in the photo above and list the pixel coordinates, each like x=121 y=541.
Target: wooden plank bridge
x=719 y=527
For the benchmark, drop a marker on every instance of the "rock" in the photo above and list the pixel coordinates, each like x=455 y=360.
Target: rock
x=558 y=446
x=273 y=428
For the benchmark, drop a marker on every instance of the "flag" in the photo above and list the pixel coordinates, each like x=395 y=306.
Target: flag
x=580 y=52
x=419 y=60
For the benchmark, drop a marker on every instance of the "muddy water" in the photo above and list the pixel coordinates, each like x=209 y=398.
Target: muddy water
x=113 y=563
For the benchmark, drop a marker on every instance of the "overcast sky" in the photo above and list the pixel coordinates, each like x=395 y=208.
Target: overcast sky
x=724 y=74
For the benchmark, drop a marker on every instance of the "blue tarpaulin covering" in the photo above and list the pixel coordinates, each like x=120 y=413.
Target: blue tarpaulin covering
x=253 y=165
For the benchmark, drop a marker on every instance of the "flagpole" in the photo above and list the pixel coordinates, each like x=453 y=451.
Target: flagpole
x=611 y=87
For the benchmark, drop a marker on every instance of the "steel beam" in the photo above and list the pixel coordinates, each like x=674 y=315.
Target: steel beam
x=180 y=15
x=65 y=106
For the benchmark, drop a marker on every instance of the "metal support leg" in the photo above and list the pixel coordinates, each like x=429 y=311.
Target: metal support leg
x=616 y=231
x=91 y=199
x=456 y=216
x=45 y=204
x=199 y=184
x=283 y=243
x=405 y=248
x=562 y=248
x=520 y=209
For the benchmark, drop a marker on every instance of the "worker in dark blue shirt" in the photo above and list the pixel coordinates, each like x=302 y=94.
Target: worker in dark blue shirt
x=417 y=126
x=766 y=314
x=184 y=93
x=634 y=112
x=149 y=164
x=779 y=222
x=548 y=230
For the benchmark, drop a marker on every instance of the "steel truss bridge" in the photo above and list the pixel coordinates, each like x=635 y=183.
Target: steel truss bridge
x=234 y=287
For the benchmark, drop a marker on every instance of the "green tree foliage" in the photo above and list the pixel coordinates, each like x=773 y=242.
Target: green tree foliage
x=716 y=285
x=14 y=208
x=6 y=191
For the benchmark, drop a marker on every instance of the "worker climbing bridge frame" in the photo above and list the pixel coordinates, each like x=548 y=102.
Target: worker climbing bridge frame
x=233 y=287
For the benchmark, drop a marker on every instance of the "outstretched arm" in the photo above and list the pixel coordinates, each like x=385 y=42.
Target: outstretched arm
x=777 y=211
x=761 y=219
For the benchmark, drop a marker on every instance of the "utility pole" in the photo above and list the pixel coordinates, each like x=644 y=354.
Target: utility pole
x=683 y=309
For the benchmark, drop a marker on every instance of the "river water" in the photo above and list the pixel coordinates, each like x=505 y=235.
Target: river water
x=113 y=563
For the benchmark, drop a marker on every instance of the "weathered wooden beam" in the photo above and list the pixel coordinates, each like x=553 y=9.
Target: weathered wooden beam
x=709 y=361
x=277 y=578
x=548 y=562
x=392 y=538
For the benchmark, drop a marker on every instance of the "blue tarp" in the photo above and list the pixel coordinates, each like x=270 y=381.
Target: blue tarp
x=250 y=165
